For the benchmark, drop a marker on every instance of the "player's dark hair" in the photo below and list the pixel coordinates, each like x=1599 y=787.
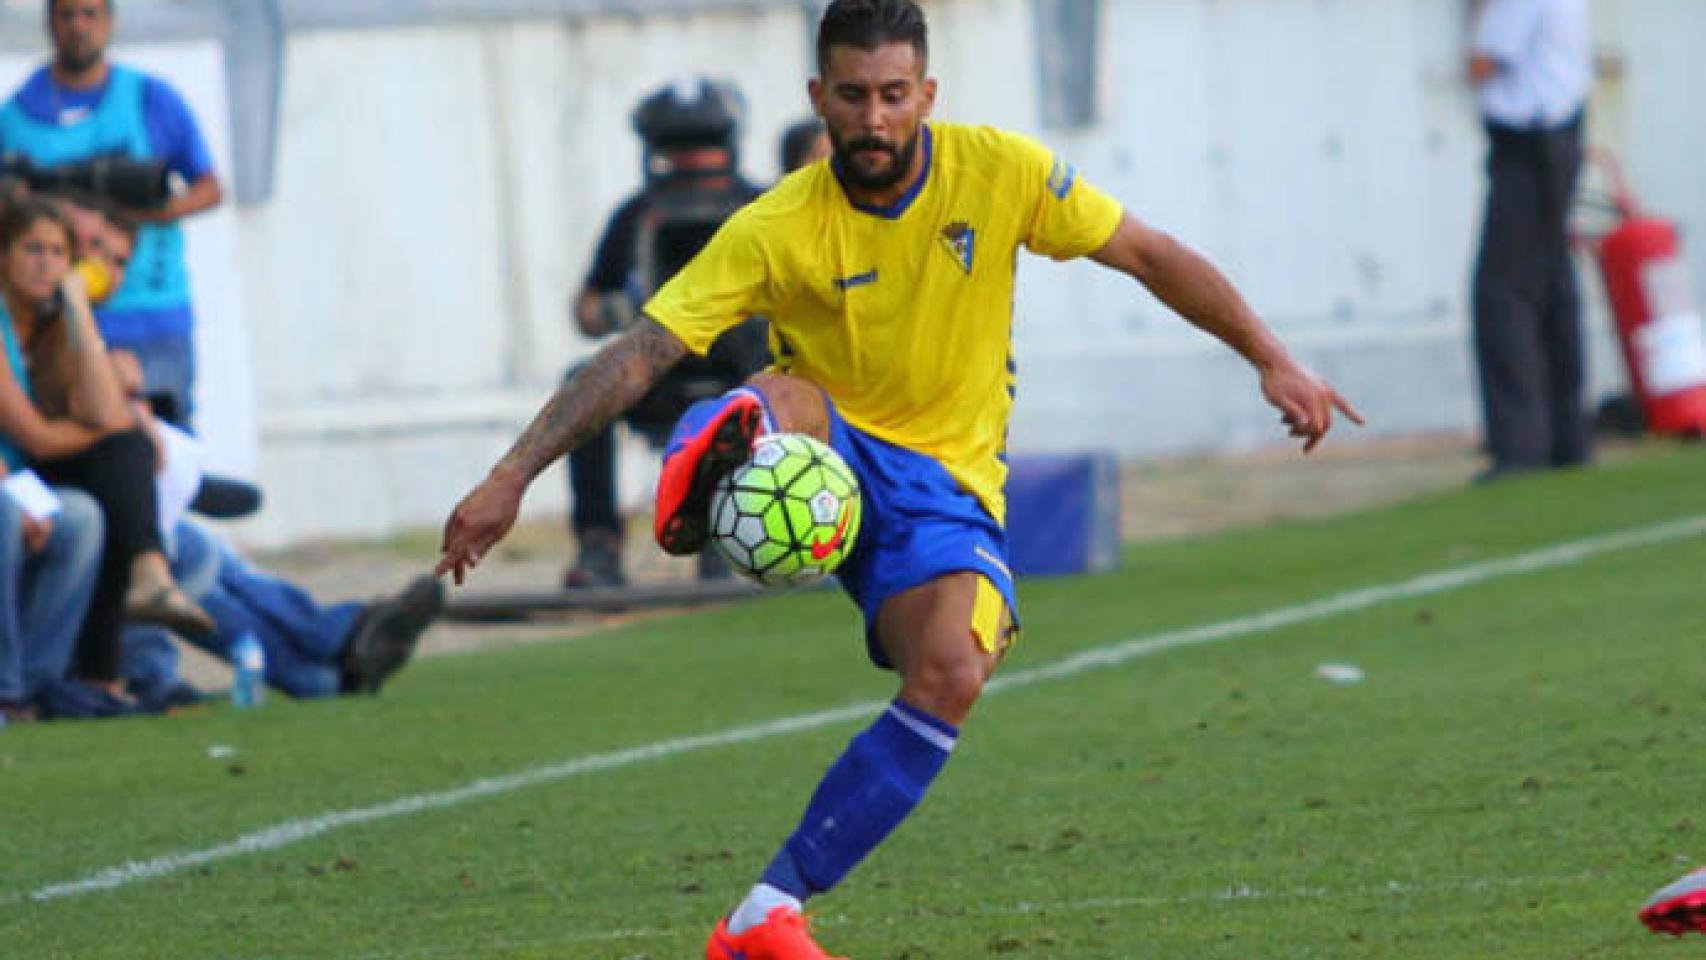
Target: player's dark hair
x=868 y=24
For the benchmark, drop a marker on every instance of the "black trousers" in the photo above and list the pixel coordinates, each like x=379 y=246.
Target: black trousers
x=1527 y=310
x=119 y=473
x=592 y=486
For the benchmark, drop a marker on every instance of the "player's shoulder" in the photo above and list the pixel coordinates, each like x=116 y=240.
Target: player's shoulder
x=796 y=195
x=981 y=143
x=997 y=156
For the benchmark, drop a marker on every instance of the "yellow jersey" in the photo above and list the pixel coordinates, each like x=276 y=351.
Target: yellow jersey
x=902 y=315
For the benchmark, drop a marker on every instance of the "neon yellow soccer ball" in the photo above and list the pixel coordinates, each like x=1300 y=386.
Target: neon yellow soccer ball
x=790 y=514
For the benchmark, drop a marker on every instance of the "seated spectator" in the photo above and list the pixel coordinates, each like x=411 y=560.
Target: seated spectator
x=313 y=649
x=105 y=240
x=65 y=412
x=48 y=566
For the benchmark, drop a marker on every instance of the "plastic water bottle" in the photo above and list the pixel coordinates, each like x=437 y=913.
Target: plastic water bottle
x=249 y=666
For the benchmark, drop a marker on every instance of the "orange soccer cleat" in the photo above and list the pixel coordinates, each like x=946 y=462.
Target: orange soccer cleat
x=713 y=437
x=782 y=936
x=1678 y=908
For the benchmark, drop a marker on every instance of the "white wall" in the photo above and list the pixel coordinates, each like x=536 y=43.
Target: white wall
x=439 y=190
x=1306 y=148
x=439 y=193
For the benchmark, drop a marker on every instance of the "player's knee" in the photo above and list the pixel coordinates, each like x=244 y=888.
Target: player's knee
x=796 y=405
x=946 y=687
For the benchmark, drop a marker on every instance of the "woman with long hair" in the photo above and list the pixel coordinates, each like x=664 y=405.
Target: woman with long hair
x=64 y=413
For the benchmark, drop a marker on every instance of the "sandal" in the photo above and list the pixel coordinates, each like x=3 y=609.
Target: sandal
x=166 y=606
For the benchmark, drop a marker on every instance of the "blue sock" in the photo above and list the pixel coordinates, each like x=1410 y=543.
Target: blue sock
x=867 y=792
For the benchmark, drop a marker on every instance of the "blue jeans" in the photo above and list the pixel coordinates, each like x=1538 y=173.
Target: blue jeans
x=303 y=640
x=43 y=595
x=168 y=376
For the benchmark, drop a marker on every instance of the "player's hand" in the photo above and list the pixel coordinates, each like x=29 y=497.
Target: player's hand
x=1305 y=402
x=482 y=519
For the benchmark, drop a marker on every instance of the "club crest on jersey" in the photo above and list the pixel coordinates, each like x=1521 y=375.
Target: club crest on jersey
x=1060 y=179
x=961 y=241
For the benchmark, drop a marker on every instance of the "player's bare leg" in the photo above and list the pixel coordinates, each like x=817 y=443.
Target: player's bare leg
x=795 y=405
x=942 y=665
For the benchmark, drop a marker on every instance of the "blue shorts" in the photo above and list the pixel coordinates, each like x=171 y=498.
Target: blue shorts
x=918 y=524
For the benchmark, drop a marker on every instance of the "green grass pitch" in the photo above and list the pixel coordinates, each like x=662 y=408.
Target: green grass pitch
x=1519 y=769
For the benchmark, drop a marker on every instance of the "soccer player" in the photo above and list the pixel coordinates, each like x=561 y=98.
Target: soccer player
x=888 y=273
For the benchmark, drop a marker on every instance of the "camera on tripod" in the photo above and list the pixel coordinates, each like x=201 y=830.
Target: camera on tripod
x=126 y=181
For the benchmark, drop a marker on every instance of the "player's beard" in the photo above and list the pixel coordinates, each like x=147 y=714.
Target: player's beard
x=900 y=161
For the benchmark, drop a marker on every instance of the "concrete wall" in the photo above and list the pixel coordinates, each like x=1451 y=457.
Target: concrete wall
x=439 y=187
x=439 y=192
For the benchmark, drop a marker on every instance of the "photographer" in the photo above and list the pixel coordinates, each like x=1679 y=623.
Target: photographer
x=692 y=185
x=81 y=108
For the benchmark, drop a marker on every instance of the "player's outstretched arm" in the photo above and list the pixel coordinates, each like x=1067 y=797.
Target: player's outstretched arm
x=618 y=376
x=1194 y=289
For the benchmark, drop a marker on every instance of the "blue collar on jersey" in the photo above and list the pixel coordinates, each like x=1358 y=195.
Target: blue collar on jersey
x=895 y=209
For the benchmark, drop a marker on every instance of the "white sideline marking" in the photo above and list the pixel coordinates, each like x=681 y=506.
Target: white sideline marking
x=295 y=831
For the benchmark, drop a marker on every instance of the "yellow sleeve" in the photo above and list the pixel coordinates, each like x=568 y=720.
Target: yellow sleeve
x=728 y=281
x=1069 y=217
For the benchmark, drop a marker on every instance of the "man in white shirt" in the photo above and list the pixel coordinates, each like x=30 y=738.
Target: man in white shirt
x=1532 y=62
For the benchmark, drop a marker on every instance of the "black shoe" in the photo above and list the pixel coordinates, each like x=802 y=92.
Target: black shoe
x=1497 y=473
x=712 y=565
x=599 y=563
x=226 y=498
x=384 y=637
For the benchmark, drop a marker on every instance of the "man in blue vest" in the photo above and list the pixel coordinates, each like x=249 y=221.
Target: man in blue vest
x=81 y=106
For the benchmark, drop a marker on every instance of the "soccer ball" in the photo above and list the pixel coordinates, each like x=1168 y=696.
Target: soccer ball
x=788 y=515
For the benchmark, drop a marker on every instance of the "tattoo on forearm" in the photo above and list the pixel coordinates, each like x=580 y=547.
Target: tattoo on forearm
x=616 y=378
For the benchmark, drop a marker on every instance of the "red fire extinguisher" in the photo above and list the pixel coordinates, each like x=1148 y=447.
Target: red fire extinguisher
x=1658 y=322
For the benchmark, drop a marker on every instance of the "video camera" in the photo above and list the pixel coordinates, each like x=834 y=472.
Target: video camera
x=692 y=180
x=126 y=181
